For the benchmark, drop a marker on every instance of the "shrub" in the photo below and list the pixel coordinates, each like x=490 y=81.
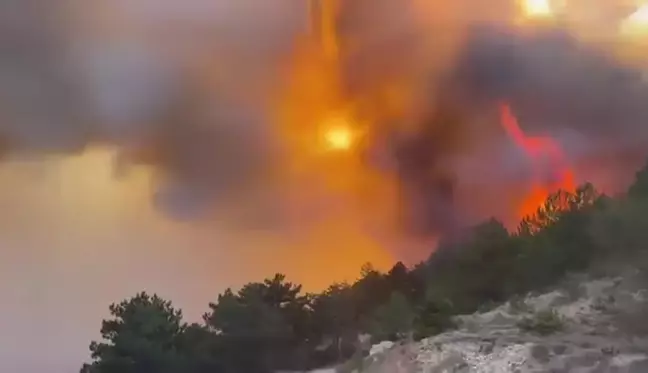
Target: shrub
x=434 y=317
x=394 y=320
x=542 y=323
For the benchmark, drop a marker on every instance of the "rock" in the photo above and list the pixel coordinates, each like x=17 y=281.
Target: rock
x=585 y=360
x=638 y=367
x=540 y=353
x=380 y=347
x=633 y=363
x=490 y=342
x=559 y=349
x=609 y=350
x=453 y=364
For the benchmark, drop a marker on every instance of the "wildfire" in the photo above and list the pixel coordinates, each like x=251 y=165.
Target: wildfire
x=544 y=152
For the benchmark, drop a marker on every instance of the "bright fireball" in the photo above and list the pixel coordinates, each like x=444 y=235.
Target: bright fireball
x=339 y=138
x=337 y=134
x=637 y=23
x=536 y=8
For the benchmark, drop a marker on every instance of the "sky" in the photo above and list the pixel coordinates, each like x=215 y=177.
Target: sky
x=74 y=239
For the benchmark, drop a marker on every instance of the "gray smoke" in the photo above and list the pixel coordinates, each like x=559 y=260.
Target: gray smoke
x=189 y=90
x=183 y=88
x=461 y=164
x=580 y=95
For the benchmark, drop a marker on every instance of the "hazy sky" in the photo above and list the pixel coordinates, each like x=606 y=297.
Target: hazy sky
x=74 y=239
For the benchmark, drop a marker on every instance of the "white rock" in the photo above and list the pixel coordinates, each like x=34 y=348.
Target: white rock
x=627 y=359
x=380 y=347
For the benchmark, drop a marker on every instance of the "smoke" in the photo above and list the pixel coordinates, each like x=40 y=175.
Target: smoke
x=164 y=85
x=191 y=91
x=579 y=94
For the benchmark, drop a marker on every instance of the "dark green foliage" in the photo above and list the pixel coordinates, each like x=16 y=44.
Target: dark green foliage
x=263 y=324
x=434 y=316
x=334 y=319
x=141 y=337
x=272 y=325
x=393 y=320
x=639 y=189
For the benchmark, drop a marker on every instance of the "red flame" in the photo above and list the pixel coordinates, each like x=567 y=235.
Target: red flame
x=551 y=172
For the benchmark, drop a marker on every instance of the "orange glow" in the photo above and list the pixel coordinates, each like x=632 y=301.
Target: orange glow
x=536 y=8
x=338 y=134
x=541 y=150
x=343 y=209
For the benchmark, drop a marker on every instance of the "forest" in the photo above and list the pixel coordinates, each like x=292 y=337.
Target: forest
x=274 y=325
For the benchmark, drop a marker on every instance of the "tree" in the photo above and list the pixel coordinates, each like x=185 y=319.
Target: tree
x=370 y=291
x=393 y=320
x=585 y=196
x=263 y=324
x=639 y=189
x=547 y=214
x=433 y=316
x=141 y=337
x=334 y=319
x=204 y=351
x=271 y=325
x=400 y=279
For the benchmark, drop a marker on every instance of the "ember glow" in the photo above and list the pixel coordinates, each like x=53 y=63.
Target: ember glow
x=551 y=171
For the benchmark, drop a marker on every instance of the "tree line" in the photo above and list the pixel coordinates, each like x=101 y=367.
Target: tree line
x=274 y=325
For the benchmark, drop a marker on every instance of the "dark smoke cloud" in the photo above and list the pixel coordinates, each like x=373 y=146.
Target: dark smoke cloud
x=182 y=88
x=461 y=167
x=190 y=95
x=581 y=95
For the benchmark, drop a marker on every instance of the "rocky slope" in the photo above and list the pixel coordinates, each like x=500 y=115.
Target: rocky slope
x=598 y=329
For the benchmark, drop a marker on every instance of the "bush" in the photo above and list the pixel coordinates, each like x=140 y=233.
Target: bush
x=542 y=323
x=394 y=320
x=433 y=318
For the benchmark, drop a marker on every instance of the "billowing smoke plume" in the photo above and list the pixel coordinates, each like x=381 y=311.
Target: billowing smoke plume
x=191 y=90
x=183 y=88
x=590 y=103
x=460 y=166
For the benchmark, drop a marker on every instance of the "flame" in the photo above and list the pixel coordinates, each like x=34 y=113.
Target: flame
x=338 y=134
x=636 y=24
x=322 y=21
x=542 y=151
x=537 y=8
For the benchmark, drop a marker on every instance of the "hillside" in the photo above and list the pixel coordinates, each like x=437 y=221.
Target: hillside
x=585 y=326
x=592 y=324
